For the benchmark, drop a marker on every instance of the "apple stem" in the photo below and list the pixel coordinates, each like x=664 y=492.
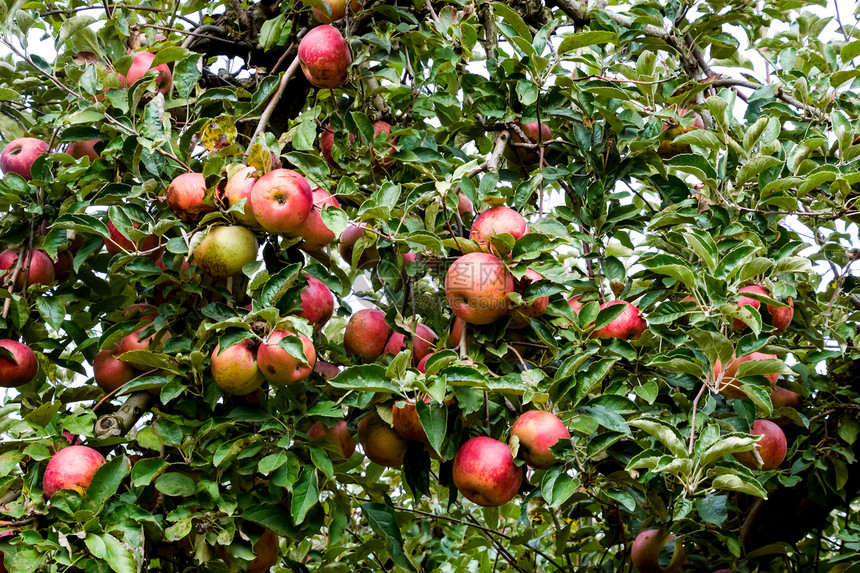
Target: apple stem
x=693 y=425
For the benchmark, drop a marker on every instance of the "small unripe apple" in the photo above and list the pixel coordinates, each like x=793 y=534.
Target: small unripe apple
x=485 y=473
x=39 y=271
x=772 y=447
x=646 y=549
x=110 y=372
x=381 y=444
x=537 y=432
x=225 y=250
x=314 y=231
x=730 y=387
x=339 y=432
x=87 y=148
x=239 y=187
x=143 y=63
x=477 y=287
x=366 y=334
x=282 y=200
x=325 y=57
x=424 y=340
x=497 y=221
x=235 y=370
x=21 y=368
x=185 y=196
x=279 y=366
x=71 y=468
x=747 y=301
x=629 y=325
x=346 y=245
x=20 y=154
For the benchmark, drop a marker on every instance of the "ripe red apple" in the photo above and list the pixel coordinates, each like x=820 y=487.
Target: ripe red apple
x=143 y=63
x=385 y=161
x=730 y=387
x=327 y=369
x=225 y=250
x=132 y=341
x=338 y=10
x=485 y=473
x=782 y=315
x=18 y=156
x=235 y=370
x=425 y=338
x=314 y=231
x=406 y=421
x=327 y=143
x=325 y=57
x=538 y=431
x=185 y=196
x=282 y=200
x=117 y=243
x=71 y=468
x=747 y=301
x=575 y=304
x=339 y=433
x=267 y=550
x=278 y=366
x=772 y=447
x=140 y=311
x=19 y=370
x=629 y=325
x=39 y=271
x=533 y=130
x=64 y=265
x=366 y=334
x=345 y=247
x=317 y=302
x=239 y=187
x=497 y=221
x=521 y=314
x=422 y=364
x=78 y=149
x=110 y=372
x=647 y=546
x=381 y=444
x=477 y=287
x=464 y=204
x=784 y=398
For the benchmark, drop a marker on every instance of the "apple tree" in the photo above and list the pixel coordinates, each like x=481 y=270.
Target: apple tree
x=429 y=286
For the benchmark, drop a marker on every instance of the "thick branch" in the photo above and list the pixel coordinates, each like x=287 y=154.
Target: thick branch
x=120 y=422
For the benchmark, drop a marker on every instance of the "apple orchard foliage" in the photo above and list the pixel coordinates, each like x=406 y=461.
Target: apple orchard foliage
x=624 y=201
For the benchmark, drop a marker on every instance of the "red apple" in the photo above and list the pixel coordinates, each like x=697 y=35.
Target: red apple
x=71 y=468
x=64 y=265
x=267 y=550
x=497 y=221
x=345 y=247
x=629 y=325
x=140 y=311
x=39 y=271
x=282 y=201
x=18 y=156
x=327 y=369
x=325 y=57
x=477 y=287
x=772 y=447
x=338 y=10
x=422 y=364
x=784 y=398
x=537 y=432
x=117 y=243
x=575 y=304
x=747 y=301
x=647 y=546
x=385 y=161
x=110 y=372
x=21 y=368
x=406 y=421
x=537 y=133
x=782 y=315
x=78 y=149
x=279 y=366
x=151 y=343
x=424 y=340
x=327 y=143
x=239 y=187
x=485 y=473
x=457 y=327
x=235 y=370
x=185 y=196
x=464 y=204
x=521 y=314
x=317 y=302
x=225 y=250
x=728 y=385
x=314 y=231
x=143 y=63
x=366 y=334
x=381 y=444
x=339 y=433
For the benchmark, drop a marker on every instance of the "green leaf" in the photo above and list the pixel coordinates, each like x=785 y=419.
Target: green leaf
x=112 y=551
x=729 y=444
x=364 y=378
x=736 y=482
x=313 y=167
x=583 y=39
x=434 y=420
x=305 y=494
x=383 y=522
x=144 y=471
x=105 y=483
x=70 y=27
x=175 y=484
x=668 y=435
x=713 y=508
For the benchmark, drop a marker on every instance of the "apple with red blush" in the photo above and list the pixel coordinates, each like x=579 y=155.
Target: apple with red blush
x=325 y=57
x=497 y=221
x=423 y=341
x=772 y=447
x=537 y=431
x=629 y=325
x=366 y=334
x=317 y=302
x=477 y=287
x=141 y=64
x=39 y=270
x=19 y=366
x=380 y=442
x=282 y=200
x=280 y=367
x=185 y=196
x=314 y=231
x=339 y=433
x=646 y=550
x=485 y=473
x=19 y=155
x=71 y=468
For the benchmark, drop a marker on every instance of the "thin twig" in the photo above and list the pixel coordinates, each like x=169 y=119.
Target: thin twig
x=270 y=109
x=693 y=426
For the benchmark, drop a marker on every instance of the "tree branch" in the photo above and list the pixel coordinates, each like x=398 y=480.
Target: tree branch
x=120 y=422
